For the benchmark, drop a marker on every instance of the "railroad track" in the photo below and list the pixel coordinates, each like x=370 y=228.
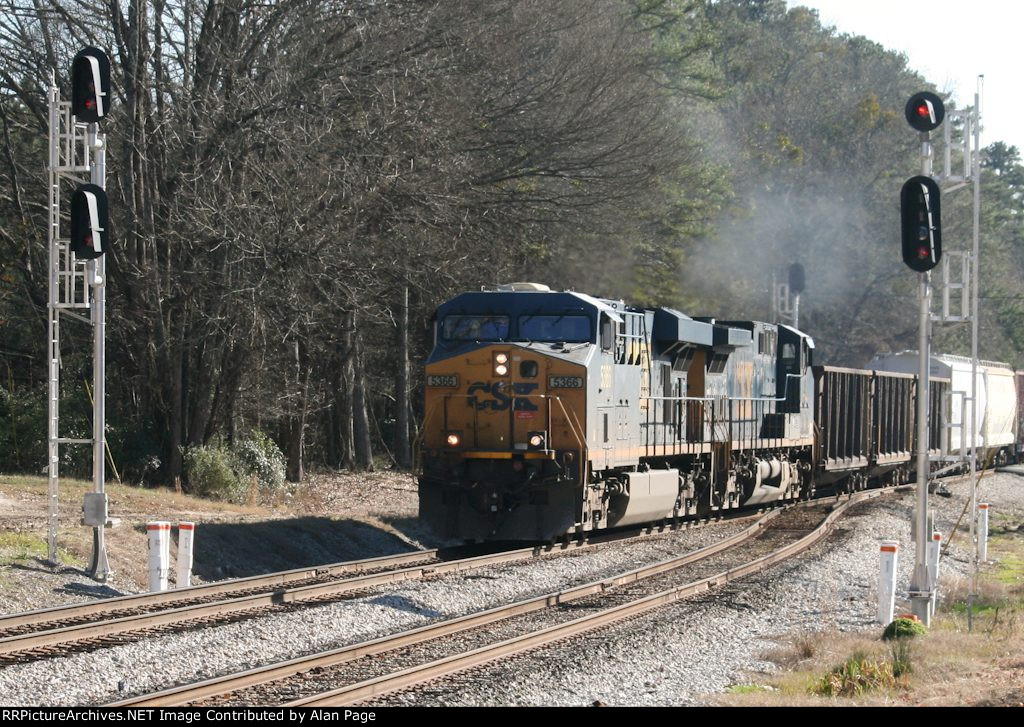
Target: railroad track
x=405 y=660
x=57 y=631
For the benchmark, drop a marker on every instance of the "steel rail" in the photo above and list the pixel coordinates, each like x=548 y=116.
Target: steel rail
x=412 y=676
x=153 y=619
x=17 y=644
x=268 y=581
x=215 y=686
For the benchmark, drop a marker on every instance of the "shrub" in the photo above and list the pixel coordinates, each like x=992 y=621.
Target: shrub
x=234 y=473
x=855 y=676
x=903 y=628
x=212 y=472
x=260 y=457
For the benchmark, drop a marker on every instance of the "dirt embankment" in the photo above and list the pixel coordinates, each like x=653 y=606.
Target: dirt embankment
x=327 y=519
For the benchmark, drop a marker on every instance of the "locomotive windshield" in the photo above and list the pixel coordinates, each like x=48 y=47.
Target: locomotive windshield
x=570 y=329
x=475 y=328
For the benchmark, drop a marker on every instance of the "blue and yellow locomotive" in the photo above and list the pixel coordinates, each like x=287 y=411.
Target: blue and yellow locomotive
x=552 y=413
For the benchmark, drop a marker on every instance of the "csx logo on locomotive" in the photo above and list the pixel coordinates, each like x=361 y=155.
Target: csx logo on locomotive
x=500 y=400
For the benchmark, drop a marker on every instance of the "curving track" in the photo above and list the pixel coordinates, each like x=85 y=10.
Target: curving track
x=61 y=630
x=432 y=652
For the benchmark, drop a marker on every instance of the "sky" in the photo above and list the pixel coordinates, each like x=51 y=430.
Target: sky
x=950 y=43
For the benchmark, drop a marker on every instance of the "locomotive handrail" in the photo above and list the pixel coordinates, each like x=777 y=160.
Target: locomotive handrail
x=726 y=396
x=574 y=426
x=580 y=438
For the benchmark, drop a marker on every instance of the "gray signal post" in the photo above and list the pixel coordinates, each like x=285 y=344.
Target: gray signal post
x=920 y=586
x=97 y=275
x=960 y=275
x=77 y=153
x=786 y=296
x=922 y=249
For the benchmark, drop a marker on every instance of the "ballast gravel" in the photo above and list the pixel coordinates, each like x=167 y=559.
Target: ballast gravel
x=685 y=653
x=159 y=662
x=678 y=655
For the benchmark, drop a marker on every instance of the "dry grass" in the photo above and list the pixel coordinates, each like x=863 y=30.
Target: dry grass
x=314 y=505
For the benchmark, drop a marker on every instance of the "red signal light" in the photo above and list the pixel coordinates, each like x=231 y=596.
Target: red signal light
x=924 y=111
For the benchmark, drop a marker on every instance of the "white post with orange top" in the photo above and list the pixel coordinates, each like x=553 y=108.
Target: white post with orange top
x=982 y=532
x=159 y=554
x=934 y=552
x=889 y=551
x=186 y=534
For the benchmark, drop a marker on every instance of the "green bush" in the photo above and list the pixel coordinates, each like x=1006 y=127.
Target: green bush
x=212 y=472
x=235 y=474
x=903 y=628
x=260 y=457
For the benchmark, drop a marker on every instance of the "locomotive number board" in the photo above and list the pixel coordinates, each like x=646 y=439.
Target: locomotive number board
x=565 y=382
x=443 y=380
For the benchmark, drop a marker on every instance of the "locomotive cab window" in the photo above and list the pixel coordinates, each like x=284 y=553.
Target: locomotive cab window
x=475 y=328
x=607 y=333
x=564 y=328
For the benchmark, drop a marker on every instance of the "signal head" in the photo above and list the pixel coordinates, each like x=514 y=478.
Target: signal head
x=90 y=222
x=90 y=85
x=925 y=111
x=921 y=215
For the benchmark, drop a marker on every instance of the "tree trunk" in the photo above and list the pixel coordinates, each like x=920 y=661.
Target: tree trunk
x=345 y=394
x=297 y=421
x=403 y=449
x=364 y=447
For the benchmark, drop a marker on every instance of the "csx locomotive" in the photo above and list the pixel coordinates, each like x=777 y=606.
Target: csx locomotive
x=554 y=413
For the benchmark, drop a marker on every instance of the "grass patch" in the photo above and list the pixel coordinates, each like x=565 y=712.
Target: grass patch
x=22 y=547
x=857 y=675
x=748 y=689
x=123 y=499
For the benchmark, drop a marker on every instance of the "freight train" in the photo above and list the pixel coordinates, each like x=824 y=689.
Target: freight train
x=549 y=414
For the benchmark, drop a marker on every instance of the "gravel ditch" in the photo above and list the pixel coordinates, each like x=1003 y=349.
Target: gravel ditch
x=162 y=661
x=686 y=653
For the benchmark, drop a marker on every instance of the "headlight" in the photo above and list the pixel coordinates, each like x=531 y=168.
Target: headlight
x=501 y=364
x=536 y=440
x=453 y=439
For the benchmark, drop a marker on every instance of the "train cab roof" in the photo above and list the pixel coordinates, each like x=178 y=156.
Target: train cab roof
x=528 y=302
